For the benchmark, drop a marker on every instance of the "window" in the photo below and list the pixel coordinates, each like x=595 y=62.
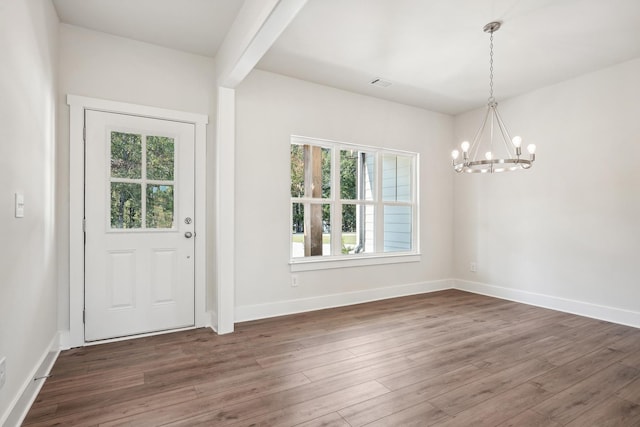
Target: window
x=141 y=165
x=350 y=201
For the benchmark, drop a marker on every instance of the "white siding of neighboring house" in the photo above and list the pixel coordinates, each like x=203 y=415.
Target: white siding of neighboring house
x=396 y=186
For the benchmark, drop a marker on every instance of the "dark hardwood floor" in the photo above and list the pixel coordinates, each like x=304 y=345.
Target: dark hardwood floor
x=444 y=359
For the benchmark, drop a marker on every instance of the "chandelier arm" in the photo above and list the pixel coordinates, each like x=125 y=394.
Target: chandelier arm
x=475 y=145
x=502 y=125
x=506 y=138
x=492 y=131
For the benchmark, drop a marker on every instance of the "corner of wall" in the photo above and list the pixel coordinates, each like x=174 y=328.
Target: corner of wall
x=212 y=318
x=21 y=404
x=580 y=308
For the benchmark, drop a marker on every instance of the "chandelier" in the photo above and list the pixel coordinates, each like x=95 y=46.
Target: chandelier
x=485 y=153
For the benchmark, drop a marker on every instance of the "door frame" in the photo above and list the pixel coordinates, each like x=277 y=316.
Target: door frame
x=77 y=106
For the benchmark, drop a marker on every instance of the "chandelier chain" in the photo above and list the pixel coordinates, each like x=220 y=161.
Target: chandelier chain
x=491 y=98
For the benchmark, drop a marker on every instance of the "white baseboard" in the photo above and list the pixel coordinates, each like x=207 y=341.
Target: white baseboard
x=65 y=340
x=21 y=404
x=601 y=312
x=244 y=313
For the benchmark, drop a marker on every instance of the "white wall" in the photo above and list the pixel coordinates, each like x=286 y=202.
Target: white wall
x=568 y=228
x=270 y=108
x=99 y=65
x=28 y=44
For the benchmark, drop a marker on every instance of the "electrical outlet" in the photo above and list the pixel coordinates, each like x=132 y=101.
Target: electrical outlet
x=294 y=281
x=3 y=371
x=19 y=208
x=473 y=267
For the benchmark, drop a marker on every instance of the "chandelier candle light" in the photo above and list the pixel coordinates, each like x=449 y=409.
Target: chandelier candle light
x=473 y=161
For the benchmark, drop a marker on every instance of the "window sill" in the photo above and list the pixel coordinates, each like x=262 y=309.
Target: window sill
x=325 y=263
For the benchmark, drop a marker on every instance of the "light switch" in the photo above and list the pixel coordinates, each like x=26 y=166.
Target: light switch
x=19 y=205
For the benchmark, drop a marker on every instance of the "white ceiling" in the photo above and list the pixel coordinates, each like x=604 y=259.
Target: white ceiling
x=433 y=51
x=195 y=26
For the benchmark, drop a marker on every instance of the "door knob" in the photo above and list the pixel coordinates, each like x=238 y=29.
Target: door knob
x=188 y=234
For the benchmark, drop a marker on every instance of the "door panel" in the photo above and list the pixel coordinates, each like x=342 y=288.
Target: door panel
x=121 y=279
x=139 y=209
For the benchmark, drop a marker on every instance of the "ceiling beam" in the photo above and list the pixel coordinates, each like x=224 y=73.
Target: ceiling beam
x=258 y=25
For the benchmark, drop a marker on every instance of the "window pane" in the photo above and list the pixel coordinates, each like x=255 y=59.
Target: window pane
x=160 y=155
x=297 y=170
x=297 y=230
x=311 y=230
x=159 y=206
x=396 y=178
x=126 y=155
x=358 y=225
x=326 y=173
x=397 y=228
x=310 y=171
x=357 y=175
x=322 y=228
x=126 y=202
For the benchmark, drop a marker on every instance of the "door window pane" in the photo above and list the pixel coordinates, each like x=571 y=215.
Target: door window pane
x=126 y=211
x=126 y=155
x=160 y=158
x=159 y=206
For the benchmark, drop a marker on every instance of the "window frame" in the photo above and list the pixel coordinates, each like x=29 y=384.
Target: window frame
x=336 y=259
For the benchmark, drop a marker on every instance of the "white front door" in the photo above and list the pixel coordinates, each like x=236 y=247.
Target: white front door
x=139 y=210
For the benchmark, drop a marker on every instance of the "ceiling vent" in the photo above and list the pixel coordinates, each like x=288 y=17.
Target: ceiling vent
x=380 y=83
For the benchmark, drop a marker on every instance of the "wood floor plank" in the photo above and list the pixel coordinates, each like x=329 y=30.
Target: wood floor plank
x=402 y=338
x=485 y=388
x=499 y=361
x=253 y=389
x=357 y=362
x=629 y=342
x=613 y=412
x=530 y=418
x=448 y=357
x=499 y=408
x=271 y=402
x=465 y=351
x=320 y=406
x=586 y=341
x=631 y=391
x=82 y=416
x=91 y=385
x=331 y=420
x=577 y=370
x=422 y=414
x=570 y=403
x=406 y=397
x=426 y=370
x=632 y=359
